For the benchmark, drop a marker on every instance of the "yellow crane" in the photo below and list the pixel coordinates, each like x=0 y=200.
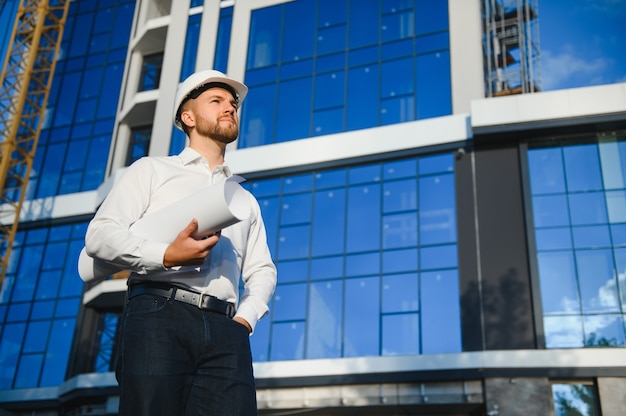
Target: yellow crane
x=24 y=88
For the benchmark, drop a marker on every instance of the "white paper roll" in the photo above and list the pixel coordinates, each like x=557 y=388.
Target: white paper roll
x=215 y=207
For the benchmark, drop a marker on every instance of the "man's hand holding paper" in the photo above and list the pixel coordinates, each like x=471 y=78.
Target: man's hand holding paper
x=210 y=210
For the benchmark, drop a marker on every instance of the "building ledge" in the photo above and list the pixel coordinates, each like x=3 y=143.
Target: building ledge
x=604 y=103
x=446 y=378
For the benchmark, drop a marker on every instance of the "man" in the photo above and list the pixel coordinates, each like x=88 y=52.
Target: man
x=184 y=336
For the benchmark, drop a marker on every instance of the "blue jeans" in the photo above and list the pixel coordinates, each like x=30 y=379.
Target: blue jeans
x=175 y=359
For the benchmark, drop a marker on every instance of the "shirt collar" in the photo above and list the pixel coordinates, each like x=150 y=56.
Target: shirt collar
x=190 y=156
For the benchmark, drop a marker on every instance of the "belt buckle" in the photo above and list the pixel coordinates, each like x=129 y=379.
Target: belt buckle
x=201 y=300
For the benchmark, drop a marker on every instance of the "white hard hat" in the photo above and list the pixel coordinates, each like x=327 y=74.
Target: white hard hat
x=201 y=81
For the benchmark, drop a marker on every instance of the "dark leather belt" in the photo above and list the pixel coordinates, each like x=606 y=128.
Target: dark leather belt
x=201 y=300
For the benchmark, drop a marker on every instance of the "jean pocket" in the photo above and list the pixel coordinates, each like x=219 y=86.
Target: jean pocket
x=145 y=304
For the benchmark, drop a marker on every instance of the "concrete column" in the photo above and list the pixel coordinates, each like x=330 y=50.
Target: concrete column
x=518 y=397
x=612 y=392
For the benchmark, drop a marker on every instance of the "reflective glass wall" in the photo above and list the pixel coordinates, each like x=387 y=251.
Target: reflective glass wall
x=41 y=292
x=76 y=136
x=316 y=67
x=579 y=208
x=39 y=302
x=364 y=253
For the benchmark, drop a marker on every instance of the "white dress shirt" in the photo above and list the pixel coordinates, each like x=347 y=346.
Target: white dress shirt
x=152 y=183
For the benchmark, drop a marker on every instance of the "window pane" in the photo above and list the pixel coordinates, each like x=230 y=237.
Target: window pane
x=550 y=211
x=151 y=71
x=588 y=208
x=400 y=230
x=292 y=271
x=362 y=311
x=586 y=179
x=36 y=337
x=362 y=105
x=363 y=218
x=327 y=267
x=558 y=282
x=400 y=293
x=290 y=302
x=397 y=78
x=363 y=30
x=299 y=33
x=325 y=320
x=434 y=94
x=299 y=183
x=400 y=196
x=332 y=12
x=330 y=179
x=295 y=209
x=28 y=371
x=329 y=222
x=400 y=261
x=223 y=39
x=579 y=399
x=265 y=37
x=293 y=114
x=399 y=169
x=363 y=264
x=596 y=280
x=329 y=90
x=613 y=161
x=189 y=53
x=563 y=331
x=48 y=284
x=397 y=110
x=331 y=39
x=257 y=127
x=294 y=242
x=546 y=171
x=616 y=205
x=591 y=236
x=437 y=209
x=287 y=341
x=327 y=121
x=438 y=257
x=57 y=354
x=431 y=15
x=604 y=331
x=441 y=312
x=398 y=25
x=401 y=334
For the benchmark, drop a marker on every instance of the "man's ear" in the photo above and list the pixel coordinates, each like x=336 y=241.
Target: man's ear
x=187 y=118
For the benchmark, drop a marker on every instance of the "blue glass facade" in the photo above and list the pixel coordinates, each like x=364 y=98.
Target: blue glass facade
x=363 y=253
x=39 y=303
x=367 y=252
x=83 y=99
x=41 y=292
x=580 y=231
x=350 y=65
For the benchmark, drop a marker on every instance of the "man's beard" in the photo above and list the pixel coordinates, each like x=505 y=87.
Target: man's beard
x=216 y=131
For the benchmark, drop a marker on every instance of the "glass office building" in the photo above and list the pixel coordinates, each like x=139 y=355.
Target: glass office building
x=438 y=252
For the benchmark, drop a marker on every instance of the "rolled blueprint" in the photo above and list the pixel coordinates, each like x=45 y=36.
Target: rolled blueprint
x=215 y=207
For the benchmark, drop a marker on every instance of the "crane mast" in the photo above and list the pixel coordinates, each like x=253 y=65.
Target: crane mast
x=25 y=84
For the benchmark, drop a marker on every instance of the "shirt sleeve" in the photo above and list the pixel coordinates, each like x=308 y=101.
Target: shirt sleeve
x=258 y=272
x=108 y=236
